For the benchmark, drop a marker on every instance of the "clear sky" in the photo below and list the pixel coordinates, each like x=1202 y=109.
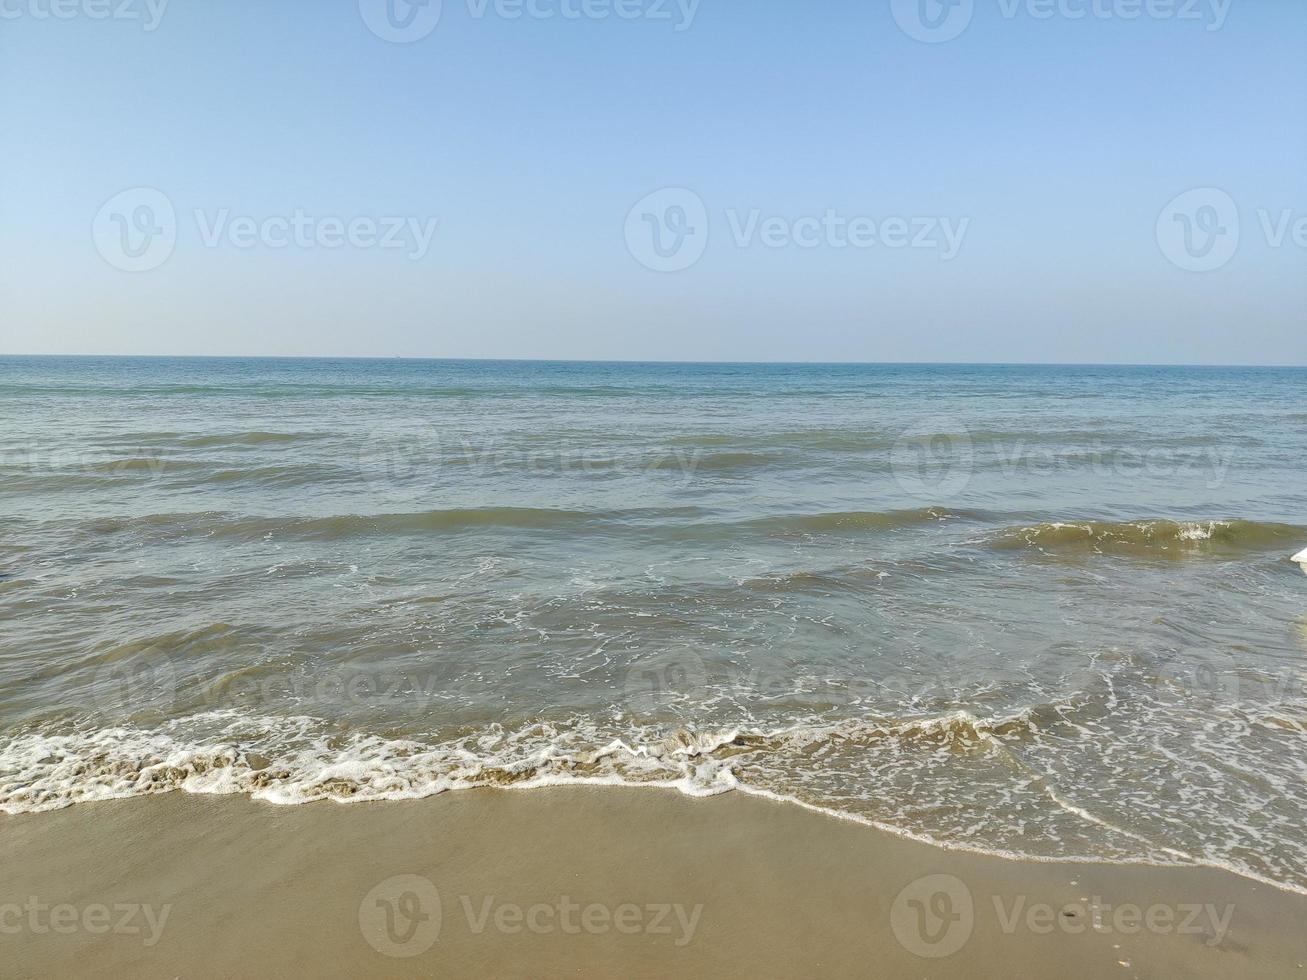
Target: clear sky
x=842 y=189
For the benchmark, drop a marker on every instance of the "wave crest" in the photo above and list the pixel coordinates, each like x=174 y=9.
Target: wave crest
x=1159 y=538
x=294 y=760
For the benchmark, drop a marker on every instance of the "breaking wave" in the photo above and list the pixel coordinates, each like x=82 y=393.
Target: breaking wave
x=295 y=760
x=1161 y=539
x=300 y=759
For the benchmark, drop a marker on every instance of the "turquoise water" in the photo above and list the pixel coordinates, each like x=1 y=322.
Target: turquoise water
x=1039 y=610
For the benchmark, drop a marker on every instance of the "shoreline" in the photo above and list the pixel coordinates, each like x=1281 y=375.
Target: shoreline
x=595 y=880
x=691 y=791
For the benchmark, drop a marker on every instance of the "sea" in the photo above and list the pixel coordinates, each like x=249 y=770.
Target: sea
x=1041 y=611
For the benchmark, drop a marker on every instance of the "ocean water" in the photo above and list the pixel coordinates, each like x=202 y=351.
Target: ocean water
x=1043 y=611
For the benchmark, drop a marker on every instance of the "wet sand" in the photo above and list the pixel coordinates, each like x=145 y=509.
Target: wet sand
x=592 y=882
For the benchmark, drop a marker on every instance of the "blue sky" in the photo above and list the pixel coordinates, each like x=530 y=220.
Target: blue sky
x=1013 y=188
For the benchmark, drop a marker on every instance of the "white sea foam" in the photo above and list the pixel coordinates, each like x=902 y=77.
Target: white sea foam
x=289 y=761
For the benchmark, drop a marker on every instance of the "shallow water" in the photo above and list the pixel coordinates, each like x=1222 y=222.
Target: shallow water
x=1041 y=610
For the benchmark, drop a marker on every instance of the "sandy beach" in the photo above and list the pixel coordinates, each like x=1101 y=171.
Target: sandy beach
x=593 y=881
x=632 y=489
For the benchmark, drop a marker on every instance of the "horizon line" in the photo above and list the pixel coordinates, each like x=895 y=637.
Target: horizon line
x=668 y=361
